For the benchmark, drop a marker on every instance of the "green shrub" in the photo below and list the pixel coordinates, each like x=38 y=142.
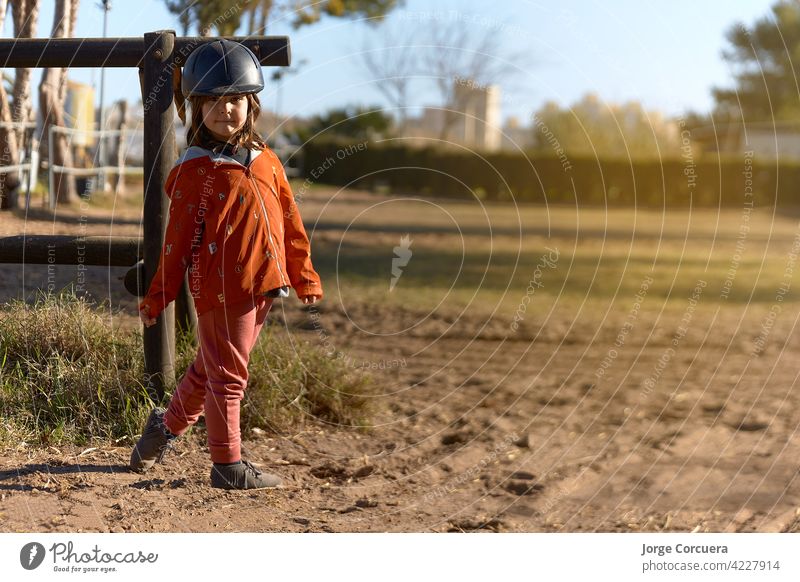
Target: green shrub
x=541 y=177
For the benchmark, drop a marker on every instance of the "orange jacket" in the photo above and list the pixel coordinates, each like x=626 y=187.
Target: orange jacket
x=237 y=229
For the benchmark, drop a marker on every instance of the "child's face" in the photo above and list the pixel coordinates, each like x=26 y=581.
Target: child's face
x=225 y=116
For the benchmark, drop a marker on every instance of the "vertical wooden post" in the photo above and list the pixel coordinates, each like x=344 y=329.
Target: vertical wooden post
x=159 y=156
x=185 y=314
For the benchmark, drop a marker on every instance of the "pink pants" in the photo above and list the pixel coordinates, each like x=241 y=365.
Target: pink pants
x=216 y=380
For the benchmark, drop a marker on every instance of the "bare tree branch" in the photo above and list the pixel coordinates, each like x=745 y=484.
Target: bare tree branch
x=454 y=55
x=392 y=66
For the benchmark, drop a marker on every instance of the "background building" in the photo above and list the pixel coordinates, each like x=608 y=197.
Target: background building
x=473 y=120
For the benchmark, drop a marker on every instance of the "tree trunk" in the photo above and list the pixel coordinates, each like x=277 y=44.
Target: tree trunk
x=251 y=19
x=9 y=152
x=26 y=16
x=53 y=115
x=68 y=32
x=52 y=93
x=266 y=8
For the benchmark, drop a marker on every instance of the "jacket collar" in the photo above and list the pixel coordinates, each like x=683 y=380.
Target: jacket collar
x=194 y=152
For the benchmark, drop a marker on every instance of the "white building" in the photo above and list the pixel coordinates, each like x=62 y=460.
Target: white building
x=478 y=122
x=475 y=120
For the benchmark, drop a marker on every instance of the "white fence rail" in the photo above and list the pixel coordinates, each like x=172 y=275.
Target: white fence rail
x=102 y=172
x=28 y=168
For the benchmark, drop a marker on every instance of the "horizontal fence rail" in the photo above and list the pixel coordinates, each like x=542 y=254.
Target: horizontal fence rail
x=15 y=168
x=127 y=170
x=18 y=124
x=123 y=52
x=104 y=251
x=94 y=132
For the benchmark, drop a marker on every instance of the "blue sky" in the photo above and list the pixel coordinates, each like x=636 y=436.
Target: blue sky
x=664 y=54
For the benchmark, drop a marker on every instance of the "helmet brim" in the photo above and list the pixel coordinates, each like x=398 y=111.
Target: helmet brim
x=223 y=91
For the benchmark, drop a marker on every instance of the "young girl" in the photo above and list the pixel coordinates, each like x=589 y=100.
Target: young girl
x=234 y=224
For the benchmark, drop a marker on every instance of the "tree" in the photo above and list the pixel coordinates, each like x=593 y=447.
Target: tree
x=225 y=16
x=9 y=153
x=182 y=9
x=258 y=12
x=353 y=122
x=310 y=11
x=456 y=57
x=52 y=94
x=392 y=67
x=766 y=62
x=222 y=16
x=26 y=16
x=461 y=63
x=592 y=128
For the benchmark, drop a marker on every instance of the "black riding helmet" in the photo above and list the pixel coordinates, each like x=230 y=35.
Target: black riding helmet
x=221 y=67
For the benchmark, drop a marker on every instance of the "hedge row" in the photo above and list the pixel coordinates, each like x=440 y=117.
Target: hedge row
x=709 y=181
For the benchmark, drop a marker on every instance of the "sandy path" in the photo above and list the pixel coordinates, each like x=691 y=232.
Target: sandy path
x=486 y=430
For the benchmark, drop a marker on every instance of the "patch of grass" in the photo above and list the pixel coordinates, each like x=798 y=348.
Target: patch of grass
x=67 y=376
x=292 y=382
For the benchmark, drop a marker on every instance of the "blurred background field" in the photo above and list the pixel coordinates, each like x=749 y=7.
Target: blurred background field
x=486 y=254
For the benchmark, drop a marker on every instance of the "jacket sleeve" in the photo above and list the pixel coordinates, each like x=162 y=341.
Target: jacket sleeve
x=302 y=275
x=184 y=231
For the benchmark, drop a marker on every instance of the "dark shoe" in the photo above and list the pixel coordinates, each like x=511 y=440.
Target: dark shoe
x=242 y=476
x=153 y=444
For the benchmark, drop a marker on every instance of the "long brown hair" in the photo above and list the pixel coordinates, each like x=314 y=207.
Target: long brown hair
x=199 y=135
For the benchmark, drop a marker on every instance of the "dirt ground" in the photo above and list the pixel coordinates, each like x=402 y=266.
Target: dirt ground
x=479 y=428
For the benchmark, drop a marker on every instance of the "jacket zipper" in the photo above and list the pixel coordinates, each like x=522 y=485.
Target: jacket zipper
x=266 y=219
x=278 y=198
x=274 y=181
